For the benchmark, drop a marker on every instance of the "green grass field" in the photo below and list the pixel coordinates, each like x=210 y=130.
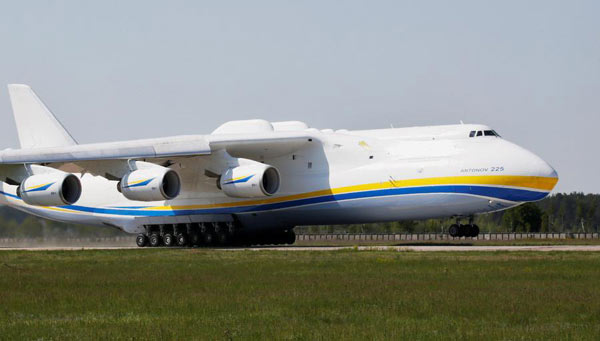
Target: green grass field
x=516 y=242
x=208 y=294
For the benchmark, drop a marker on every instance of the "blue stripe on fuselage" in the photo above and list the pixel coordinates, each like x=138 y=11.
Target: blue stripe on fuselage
x=510 y=194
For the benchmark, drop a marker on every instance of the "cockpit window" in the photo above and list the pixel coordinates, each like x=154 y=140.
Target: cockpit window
x=474 y=133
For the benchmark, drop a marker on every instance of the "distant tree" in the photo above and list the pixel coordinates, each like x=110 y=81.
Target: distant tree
x=523 y=218
x=509 y=221
x=530 y=217
x=545 y=223
x=407 y=226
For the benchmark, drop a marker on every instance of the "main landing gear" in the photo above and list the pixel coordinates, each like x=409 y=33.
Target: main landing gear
x=460 y=230
x=222 y=234
x=141 y=240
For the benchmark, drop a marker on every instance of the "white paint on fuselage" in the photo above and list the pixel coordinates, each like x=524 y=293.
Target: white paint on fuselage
x=334 y=160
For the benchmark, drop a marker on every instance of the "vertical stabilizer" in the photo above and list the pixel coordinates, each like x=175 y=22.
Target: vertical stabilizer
x=36 y=125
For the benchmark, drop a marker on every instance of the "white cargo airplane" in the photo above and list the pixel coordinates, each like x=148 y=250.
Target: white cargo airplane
x=252 y=182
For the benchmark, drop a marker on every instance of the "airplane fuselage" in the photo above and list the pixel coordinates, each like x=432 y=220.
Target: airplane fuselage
x=339 y=177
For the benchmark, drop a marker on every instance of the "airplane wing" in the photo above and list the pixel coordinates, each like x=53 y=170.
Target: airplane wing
x=111 y=158
x=51 y=145
x=150 y=148
x=238 y=145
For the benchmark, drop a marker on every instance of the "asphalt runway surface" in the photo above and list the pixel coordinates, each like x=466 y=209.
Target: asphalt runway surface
x=419 y=248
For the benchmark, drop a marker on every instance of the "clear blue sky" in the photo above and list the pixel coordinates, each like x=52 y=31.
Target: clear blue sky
x=113 y=70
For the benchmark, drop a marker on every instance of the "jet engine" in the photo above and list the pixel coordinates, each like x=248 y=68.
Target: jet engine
x=50 y=189
x=150 y=184
x=251 y=181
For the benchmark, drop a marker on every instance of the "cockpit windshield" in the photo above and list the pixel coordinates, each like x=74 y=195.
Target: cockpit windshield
x=477 y=133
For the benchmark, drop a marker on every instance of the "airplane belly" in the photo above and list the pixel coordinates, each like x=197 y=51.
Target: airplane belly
x=57 y=214
x=377 y=209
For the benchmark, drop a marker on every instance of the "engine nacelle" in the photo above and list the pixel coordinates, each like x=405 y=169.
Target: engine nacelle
x=251 y=181
x=150 y=184
x=50 y=189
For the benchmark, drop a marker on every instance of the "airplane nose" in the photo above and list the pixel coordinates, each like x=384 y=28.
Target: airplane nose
x=523 y=162
x=529 y=164
x=545 y=175
x=521 y=173
x=542 y=168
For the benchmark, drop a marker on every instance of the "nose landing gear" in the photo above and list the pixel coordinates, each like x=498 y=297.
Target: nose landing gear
x=468 y=230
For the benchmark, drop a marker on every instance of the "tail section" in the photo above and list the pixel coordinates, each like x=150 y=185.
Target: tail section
x=36 y=125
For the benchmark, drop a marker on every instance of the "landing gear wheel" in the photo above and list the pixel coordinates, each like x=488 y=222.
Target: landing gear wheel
x=454 y=230
x=182 y=239
x=154 y=240
x=194 y=239
x=141 y=240
x=474 y=230
x=466 y=231
x=290 y=238
x=245 y=239
x=207 y=238
x=222 y=237
x=168 y=239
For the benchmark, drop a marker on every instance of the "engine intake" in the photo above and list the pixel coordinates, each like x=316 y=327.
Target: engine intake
x=50 y=189
x=150 y=184
x=251 y=181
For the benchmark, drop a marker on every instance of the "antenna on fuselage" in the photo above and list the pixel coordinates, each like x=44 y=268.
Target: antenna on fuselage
x=461 y=122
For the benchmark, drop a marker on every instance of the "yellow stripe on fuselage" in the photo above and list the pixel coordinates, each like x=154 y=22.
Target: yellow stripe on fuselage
x=59 y=209
x=529 y=182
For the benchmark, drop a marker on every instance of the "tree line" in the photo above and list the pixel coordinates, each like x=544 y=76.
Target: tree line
x=573 y=212
x=16 y=224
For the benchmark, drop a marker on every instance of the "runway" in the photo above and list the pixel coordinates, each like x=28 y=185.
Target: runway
x=417 y=248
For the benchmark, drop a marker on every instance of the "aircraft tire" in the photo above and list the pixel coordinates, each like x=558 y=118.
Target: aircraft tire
x=271 y=239
x=258 y=239
x=454 y=230
x=235 y=239
x=245 y=239
x=194 y=239
x=222 y=237
x=207 y=238
x=141 y=240
x=168 y=239
x=182 y=239
x=282 y=239
x=468 y=231
x=474 y=230
x=154 y=240
x=290 y=237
